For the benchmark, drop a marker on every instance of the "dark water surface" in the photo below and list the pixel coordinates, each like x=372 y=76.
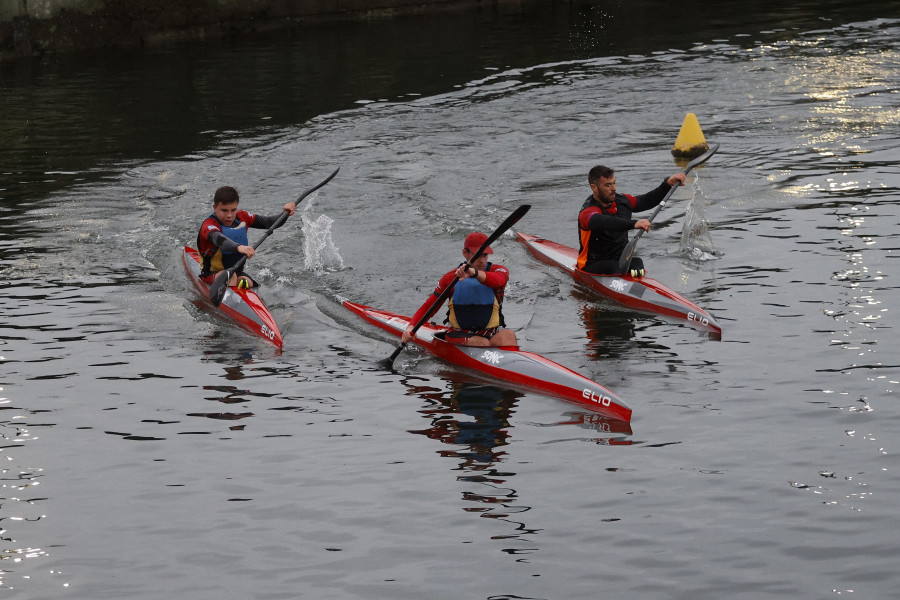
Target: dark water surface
x=149 y=450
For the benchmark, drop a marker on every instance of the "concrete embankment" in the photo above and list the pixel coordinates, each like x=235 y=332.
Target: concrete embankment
x=35 y=27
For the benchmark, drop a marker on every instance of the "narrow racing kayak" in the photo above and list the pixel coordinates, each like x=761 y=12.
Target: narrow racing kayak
x=512 y=366
x=640 y=293
x=244 y=308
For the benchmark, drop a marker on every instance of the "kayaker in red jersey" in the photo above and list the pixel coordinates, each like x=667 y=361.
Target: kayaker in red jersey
x=223 y=236
x=605 y=220
x=474 y=314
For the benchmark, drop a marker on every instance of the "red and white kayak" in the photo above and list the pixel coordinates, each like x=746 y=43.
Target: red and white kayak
x=640 y=293
x=244 y=308
x=509 y=365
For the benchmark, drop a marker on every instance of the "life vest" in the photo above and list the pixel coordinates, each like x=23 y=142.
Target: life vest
x=474 y=306
x=604 y=244
x=221 y=259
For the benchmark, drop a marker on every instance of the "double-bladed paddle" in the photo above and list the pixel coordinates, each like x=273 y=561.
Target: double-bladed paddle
x=504 y=226
x=220 y=283
x=628 y=252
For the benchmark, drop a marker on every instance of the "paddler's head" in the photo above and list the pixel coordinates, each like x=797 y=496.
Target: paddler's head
x=473 y=242
x=603 y=185
x=225 y=204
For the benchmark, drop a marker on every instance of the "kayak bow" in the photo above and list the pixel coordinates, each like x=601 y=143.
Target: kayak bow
x=640 y=293
x=510 y=365
x=244 y=308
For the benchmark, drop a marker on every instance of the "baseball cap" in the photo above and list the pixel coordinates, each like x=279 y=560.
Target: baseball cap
x=474 y=241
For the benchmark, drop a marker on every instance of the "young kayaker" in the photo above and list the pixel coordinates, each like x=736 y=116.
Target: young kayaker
x=605 y=220
x=474 y=313
x=223 y=236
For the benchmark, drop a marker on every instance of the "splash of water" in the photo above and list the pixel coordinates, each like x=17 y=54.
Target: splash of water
x=320 y=251
x=696 y=241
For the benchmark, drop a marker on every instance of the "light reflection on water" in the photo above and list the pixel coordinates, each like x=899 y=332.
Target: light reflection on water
x=20 y=494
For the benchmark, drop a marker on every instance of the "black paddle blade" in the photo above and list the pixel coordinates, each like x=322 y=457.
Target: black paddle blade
x=504 y=227
x=388 y=363
x=219 y=287
x=628 y=253
x=317 y=186
x=701 y=159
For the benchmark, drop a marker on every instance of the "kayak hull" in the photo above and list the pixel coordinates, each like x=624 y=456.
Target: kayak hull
x=244 y=308
x=516 y=368
x=640 y=293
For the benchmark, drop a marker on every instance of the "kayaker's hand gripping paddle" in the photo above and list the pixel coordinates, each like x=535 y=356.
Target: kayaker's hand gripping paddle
x=220 y=283
x=628 y=252
x=509 y=222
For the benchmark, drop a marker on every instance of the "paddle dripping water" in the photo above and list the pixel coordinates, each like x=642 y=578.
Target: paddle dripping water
x=628 y=252
x=696 y=242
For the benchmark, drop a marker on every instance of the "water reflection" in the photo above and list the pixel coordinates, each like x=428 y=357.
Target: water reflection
x=18 y=499
x=610 y=330
x=474 y=417
x=611 y=432
x=229 y=394
x=472 y=420
x=614 y=331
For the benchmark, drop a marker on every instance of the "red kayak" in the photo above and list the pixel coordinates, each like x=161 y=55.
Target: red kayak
x=510 y=365
x=640 y=293
x=244 y=308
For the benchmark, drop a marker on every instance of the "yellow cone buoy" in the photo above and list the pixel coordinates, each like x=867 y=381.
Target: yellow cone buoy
x=690 y=141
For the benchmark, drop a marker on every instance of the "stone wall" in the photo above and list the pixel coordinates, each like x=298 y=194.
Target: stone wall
x=35 y=27
x=44 y=9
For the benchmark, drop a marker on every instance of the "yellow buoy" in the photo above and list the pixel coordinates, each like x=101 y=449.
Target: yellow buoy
x=690 y=141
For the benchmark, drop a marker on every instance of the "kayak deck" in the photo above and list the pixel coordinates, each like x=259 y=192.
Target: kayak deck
x=244 y=308
x=515 y=367
x=640 y=293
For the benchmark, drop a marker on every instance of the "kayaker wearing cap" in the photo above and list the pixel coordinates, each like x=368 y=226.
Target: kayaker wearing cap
x=222 y=239
x=605 y=220
x=475 y=316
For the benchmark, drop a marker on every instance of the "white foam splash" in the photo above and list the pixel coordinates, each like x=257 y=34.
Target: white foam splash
x=320 y=251
x=696 y=241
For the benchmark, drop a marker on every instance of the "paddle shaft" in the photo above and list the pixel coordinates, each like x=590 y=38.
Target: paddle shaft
x=220 y=283
x=237 y=266
x=509 y=222
x=628 y=252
